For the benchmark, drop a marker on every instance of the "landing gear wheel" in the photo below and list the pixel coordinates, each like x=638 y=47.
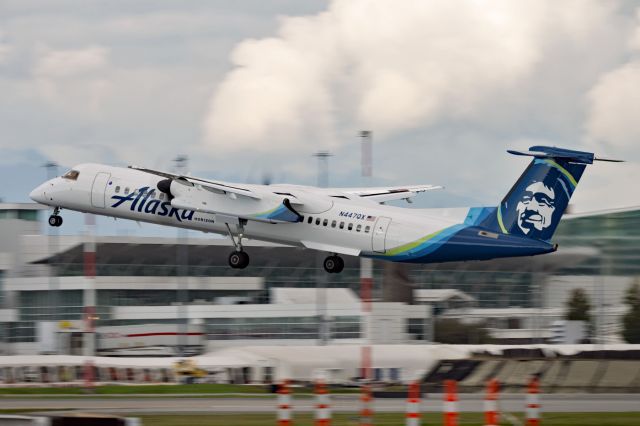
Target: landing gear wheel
x=333 y=264
x=238 y=260
x=55 y=220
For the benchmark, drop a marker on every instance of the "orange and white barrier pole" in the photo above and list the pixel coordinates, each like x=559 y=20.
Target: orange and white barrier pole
x=491 y=413
x=284 y=405
x=323 y=410
x=366 y=409
x=533 y=402
x=413 y=405
x=450 y=403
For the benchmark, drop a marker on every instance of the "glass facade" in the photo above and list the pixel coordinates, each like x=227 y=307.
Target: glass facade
x=616 y=235
x=342 y=327
x=35 y=306
x=259 y=328
x=30 y=215
x=159 y=297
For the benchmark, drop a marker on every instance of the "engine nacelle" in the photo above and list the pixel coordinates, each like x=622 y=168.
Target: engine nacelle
x=164 y=186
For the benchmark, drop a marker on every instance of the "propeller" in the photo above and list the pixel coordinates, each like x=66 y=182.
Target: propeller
x=164 y=186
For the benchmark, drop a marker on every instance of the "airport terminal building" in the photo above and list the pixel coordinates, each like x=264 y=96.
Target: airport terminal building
x=285 y=298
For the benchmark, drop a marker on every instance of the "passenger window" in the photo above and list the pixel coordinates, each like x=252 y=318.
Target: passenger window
x=71 y=175
x=325 y=222
x=333 y=224
x=126 y=191
x=117 y=189
x=341 y=225
x=310 y=219
x=350 y=227
x=367 y=229
x=358 y=228
x=317 y=221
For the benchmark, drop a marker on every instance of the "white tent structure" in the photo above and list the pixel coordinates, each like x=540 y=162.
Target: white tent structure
x=335 y=363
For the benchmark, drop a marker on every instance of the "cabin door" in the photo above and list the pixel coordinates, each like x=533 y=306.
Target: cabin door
x=99 y=188
x=379 y=234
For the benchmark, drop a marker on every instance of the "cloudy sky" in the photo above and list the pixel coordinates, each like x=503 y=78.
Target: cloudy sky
x=252 y=88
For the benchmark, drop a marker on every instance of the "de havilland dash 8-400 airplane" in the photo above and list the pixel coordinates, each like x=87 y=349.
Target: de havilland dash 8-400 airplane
x=339 y=221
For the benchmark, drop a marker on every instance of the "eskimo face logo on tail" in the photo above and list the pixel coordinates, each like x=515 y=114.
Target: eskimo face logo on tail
x=536 y=208
x=140 y=202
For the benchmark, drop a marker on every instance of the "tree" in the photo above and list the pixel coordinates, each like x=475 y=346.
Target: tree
x=631 y=320
x=578 y=306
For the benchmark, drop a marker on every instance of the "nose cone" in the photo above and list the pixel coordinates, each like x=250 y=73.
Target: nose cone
x=37 y=195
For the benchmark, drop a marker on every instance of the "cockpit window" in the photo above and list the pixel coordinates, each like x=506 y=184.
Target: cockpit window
x=71 y=175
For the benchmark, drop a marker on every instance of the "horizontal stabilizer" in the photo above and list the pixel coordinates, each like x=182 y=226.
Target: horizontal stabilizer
x=610 y=160
x=570 y=155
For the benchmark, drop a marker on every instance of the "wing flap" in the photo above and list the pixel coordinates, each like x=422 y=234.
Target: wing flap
x=383 y=194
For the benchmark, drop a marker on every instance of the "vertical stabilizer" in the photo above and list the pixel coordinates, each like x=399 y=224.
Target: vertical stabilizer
x=535 y=204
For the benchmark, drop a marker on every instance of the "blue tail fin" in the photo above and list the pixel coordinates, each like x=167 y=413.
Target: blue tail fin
x=535 y=204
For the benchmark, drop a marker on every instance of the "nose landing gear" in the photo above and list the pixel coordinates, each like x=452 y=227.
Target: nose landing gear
x=333 y=264
x=55 y=219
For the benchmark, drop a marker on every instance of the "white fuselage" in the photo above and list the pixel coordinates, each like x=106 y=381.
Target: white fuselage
x=339 y=225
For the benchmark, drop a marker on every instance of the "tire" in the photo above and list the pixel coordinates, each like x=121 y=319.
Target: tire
x=53 y=220
x=238 y=260
x=245 y=260
x=330 y=264
x=339 y=265
x=59 y=220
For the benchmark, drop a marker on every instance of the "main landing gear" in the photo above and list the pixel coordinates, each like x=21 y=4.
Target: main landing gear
x=55 y=219
x=333 y=264
x=238 y=259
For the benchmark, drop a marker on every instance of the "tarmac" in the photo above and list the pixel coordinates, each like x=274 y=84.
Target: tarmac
x=339 y=403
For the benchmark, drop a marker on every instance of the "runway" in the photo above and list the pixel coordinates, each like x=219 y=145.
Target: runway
x=339 y=403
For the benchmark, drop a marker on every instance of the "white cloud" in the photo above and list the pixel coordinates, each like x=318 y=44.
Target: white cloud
x=634 y=40
x=390 y=66
x=613 y=110
x=5 y=48
x=71 y=62
x=614 y=102
x=72 y=80
x=446 y=86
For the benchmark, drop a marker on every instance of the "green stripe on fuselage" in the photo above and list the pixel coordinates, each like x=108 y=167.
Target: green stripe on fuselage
x=410 y=246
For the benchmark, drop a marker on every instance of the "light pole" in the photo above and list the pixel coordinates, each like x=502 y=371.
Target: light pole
x=182 y=271
x=321 y=279
x=366 y=265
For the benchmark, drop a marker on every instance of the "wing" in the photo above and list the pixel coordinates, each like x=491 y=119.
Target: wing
x=229 y=202
x=381 y=194
x=219 y=187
